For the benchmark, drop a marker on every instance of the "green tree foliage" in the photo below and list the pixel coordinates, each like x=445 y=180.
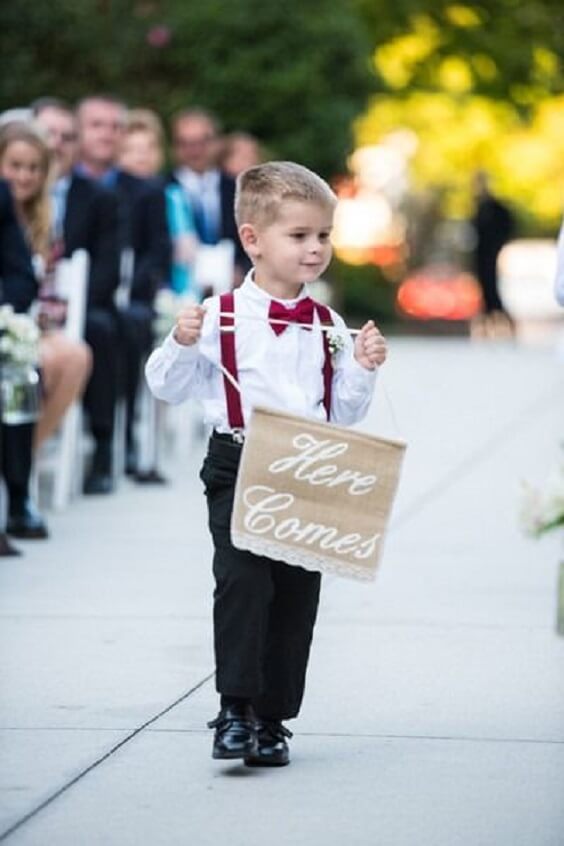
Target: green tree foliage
x=512 y=48
x=295 y=74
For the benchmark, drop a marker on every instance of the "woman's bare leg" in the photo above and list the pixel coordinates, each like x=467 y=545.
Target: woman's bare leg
x=65 y=366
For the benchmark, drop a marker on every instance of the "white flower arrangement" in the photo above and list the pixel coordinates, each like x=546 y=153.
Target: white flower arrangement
x=336 y=343
x=543 y=510
x=167 y=305
x=19 y=338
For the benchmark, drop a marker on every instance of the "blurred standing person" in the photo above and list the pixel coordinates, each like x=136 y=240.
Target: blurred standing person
x=493 y=226
x=142 y=229
x=142 y=154
x=239 y=152
x=18 y=288
x=210 y=191
x=85 y=217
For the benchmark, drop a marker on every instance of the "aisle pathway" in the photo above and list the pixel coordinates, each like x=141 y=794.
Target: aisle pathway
x=434 y=713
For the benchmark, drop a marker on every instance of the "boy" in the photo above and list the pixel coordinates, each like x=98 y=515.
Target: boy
x=264 y=610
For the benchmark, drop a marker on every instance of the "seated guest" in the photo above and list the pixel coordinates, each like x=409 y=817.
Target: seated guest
x=142 y=147
x=240 y=151
x=142 y=230
x=209 y=191
x=25 y=162
x=142 y=154
x=18 y=288
x=86 y=218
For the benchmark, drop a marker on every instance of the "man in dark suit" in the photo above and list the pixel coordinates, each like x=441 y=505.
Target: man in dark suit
x=493 y=227
x=142 y=233
x=18 y=288
x=210 y=192
x=86 y=217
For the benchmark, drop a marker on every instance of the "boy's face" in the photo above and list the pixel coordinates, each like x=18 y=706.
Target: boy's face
x=293 y=249
x=140 y=154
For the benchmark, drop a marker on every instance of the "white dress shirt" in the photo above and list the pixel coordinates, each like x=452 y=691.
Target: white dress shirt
x=203 y=190
x=59 y=193
x=282 y=372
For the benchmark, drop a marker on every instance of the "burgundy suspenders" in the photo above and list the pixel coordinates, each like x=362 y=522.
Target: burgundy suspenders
x=229 y=359
x=325 y=319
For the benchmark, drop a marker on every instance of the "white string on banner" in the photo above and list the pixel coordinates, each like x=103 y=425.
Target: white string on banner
x=276 y=322
x=308 y=326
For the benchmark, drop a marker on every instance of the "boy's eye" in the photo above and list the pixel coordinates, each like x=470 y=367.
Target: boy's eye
x=324 y=236
x=299 y=236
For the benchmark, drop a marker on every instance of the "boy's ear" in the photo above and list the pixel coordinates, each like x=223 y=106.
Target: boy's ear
x=249 y=239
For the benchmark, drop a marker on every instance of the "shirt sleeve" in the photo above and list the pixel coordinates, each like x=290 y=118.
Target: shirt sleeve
x=353 y=384
x=176 y=372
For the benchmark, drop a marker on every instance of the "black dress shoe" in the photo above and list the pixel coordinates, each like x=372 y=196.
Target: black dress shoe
x=235 y=734
x=150 y=477
x=272 y=748
x=6 y=548
x=98 y=483
x=131 y=460
x=100 y=479
x=25 y=521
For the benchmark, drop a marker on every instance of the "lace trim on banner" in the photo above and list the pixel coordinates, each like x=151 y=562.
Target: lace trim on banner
x=298 y=558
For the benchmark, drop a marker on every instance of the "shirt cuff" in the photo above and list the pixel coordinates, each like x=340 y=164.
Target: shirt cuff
x=358 y=378
x=179 y=352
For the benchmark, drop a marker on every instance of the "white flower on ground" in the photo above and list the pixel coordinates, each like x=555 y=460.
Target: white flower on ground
x=542 y=511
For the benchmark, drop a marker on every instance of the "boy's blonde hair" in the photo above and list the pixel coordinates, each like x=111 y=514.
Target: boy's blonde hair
x=261 y=190
x=145 y=120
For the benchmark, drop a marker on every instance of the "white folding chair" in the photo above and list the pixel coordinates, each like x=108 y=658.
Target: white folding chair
x=122 y=299
x=71 y=283
x=151 y=421
x=213 y=266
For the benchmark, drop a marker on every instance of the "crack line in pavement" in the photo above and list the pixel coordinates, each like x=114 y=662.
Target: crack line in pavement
x=50 y=799
x=549 y=741
x=508 y=431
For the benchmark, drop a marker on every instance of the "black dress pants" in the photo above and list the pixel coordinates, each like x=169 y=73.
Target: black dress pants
x=17 y=448
x=264 y=610
x=102 y=336
x=136 y=325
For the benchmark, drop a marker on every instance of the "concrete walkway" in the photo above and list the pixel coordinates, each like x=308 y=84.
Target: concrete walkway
x=434 y=713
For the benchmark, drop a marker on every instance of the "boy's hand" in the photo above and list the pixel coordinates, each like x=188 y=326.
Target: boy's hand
x=370 y=346
x=189 y=325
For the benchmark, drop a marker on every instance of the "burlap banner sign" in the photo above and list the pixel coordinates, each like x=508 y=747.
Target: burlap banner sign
x=314 y=495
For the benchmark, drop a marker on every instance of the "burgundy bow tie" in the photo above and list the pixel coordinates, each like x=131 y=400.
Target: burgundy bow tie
x=302 y=312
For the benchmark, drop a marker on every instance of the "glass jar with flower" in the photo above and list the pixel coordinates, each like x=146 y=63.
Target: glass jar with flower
x=19 y=356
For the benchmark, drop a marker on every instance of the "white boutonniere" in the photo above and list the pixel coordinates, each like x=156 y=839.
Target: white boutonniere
x=336 y=343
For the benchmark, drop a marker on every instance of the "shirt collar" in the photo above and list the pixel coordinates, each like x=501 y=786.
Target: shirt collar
x=256 y=294
x=61 y=185
x=187 y=176
x=108 y=179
